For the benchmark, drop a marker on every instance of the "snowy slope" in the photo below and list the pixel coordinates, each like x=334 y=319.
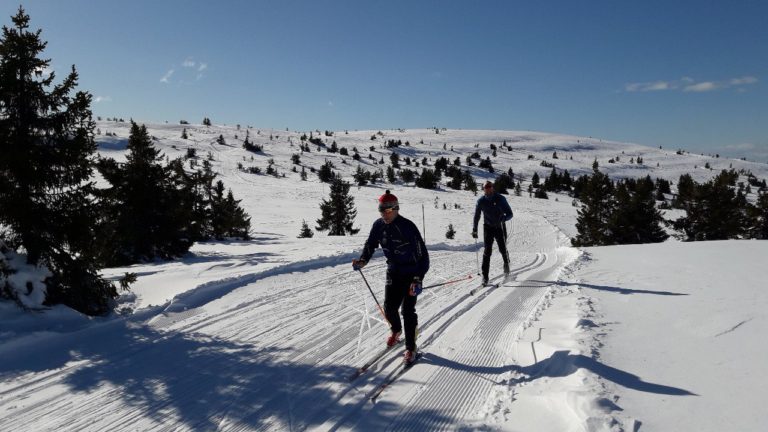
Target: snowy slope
x=265 y=334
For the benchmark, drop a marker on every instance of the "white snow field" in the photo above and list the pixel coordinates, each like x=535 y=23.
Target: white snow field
x=265 y=334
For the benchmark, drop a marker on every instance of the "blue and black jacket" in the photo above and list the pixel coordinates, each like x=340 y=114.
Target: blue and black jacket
x=402 y=245
x=495 y=211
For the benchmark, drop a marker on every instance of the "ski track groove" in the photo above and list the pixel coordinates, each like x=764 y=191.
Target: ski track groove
x=453 y=392
x=235 y=324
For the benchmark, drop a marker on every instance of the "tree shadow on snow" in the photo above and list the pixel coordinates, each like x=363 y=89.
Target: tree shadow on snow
x=561 y=364
x=192 y=381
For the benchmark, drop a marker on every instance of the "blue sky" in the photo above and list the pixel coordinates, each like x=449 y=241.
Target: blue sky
x=682 y=74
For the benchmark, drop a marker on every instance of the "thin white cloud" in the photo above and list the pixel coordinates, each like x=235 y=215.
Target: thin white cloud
x=688 y=84
x=648 y=86
x=167 y=77
x=190 y=70
x=744 y=80
x=702 y=87
x=102 y=99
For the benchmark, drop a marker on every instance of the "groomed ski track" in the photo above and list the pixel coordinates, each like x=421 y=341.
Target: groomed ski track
x=276 y=353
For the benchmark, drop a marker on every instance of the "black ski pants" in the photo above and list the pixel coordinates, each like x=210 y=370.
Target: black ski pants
x=395 y=295
x=491 y=233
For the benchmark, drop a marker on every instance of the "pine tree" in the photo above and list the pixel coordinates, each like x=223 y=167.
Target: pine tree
x=760 y=230
x=338 y=212
x=149 y=210
x=635 y=218
x=714 y=212
x=229 y=220
x=428 y=179
x=47 y=155
x=502 y=183
x=469 y=183
x=593 y=216
x=456 y=180
x=391 y=176
x=326 y=173
x=451 y=233
x=407 y=175
x=306 y=231
x=361 y=176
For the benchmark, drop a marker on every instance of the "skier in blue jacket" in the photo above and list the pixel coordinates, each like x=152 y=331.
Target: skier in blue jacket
x=407 y=263
x=496 y=212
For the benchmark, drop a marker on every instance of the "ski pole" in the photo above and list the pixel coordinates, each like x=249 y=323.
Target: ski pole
x=506 y=240
x=477 y=257
x=449 y=282
x=381 y=310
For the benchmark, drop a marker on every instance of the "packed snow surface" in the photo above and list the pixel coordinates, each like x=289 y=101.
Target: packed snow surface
x=267 y=333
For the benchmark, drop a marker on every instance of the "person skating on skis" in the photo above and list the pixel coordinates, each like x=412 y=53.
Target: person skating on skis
x=407 y=263
x=496 y=212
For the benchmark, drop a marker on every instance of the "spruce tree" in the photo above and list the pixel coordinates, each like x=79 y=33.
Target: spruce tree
x=593 y=216
x=428 y=179
x=47 y=155
x=229 y=220
x=306 y=231
x=338 y=212
x=760 y=230
x=502 y=183
x=149 y=210
x=451 y=233
x=391 y=175
x=469 y=182
x=714 y=212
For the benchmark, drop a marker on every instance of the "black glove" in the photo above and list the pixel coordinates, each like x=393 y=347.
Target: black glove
x=357 y=264
x=474 y=234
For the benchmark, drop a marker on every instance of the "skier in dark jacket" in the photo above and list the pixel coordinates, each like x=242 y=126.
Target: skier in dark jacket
x=496 y=212
x=407 y=263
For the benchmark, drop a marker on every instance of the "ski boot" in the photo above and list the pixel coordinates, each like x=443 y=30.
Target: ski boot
x=506 y=268
x=393 y=339
x=409 y=357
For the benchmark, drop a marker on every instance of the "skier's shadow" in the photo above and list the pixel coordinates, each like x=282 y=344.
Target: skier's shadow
x=618 y=290
x=560 y=364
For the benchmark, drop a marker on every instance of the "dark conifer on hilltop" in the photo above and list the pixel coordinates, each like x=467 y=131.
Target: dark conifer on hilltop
x=593 y=216
x=760 y=230
x=326 y=173
x=149 y=215
x=228 y=220
x=635 y=218
x=338 y=212
x=428 y=179
x=503 y=183
x=715 y=211
x=47 y=147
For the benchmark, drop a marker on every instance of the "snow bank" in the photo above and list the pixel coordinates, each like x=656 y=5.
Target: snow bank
x=20 y=281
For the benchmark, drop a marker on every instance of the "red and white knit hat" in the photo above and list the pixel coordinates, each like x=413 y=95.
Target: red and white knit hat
x=388 y=201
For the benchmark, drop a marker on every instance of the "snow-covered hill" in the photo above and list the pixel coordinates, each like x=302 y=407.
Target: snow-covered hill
x=264 y=334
